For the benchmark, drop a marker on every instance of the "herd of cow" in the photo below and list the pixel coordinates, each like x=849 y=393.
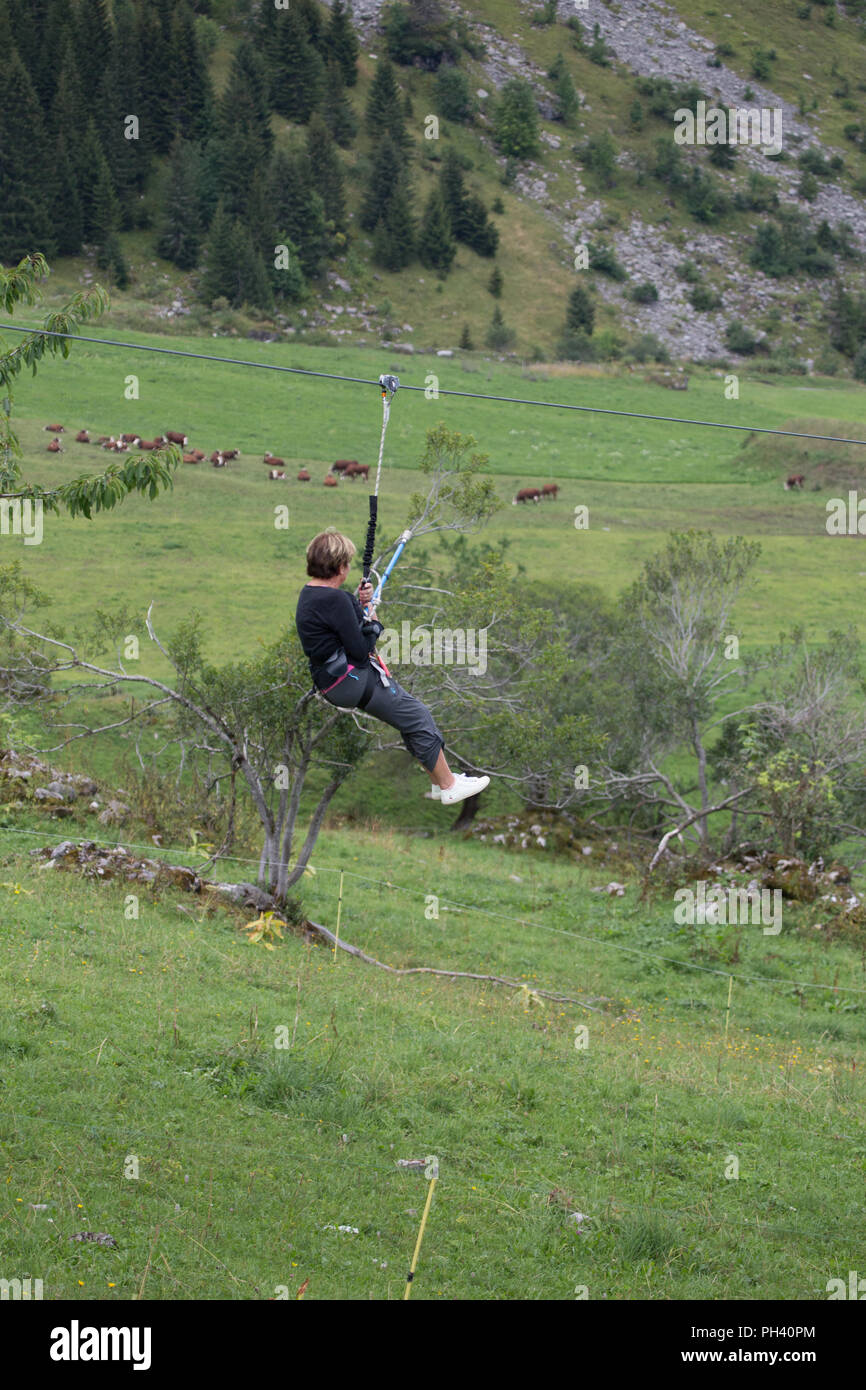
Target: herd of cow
x=343 y=468
x=346 y=468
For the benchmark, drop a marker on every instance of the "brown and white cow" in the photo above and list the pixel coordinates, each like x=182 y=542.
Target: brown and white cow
x=174 y=437
x=54 y=447
x=795 y=480
x=276 y=473
x=357 y=470
x=550 y=490
x=82 y=437
x=330 y=481
x=54 y=429
x=342 y=464
x=527 y=494
x=303 y=475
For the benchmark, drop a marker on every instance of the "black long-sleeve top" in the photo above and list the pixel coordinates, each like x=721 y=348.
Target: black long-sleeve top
x=328 y=618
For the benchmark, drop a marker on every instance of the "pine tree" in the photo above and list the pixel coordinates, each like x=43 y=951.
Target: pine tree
x=394 y=238
x=567 y=100
x=298 y=72
x=466 y=339
x=110 y=257
x=499 y=336
x=454 y=193
x=187 y=78
x=436 y=246
x=385 y=169
x=342 y=41
x=384 y=114
x=299 y=211
x=479 y=233
x=93 y=33
x=153 y=48
x=310 y=15
x=245 y=101
x=253 y=285
x=26 y=219
x=326 y=170
x=68 y=108
x=219 y=279
x=516 y=120
x=495 y=283
x=128 y=159
x=105 y=216
x=336 y=108
x=180 y=239
x=92 y=159
x=288 y=281
x=468 y=215
x=69 y=229
x=580 y=313
x=230 y=164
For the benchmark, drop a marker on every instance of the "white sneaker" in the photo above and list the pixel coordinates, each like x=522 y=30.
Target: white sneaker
x=462 y=787
x=434 y=793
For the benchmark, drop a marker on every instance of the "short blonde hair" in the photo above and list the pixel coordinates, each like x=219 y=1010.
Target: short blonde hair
x=327 y=553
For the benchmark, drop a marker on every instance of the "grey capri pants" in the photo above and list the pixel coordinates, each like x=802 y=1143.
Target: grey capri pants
x=395 y=706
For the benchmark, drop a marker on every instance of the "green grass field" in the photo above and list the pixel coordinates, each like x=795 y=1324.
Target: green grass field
x=149 y=1047
x=152 y=1038
x=212 y=544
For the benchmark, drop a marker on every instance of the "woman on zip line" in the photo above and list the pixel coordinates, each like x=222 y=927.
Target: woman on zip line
x=339 y=642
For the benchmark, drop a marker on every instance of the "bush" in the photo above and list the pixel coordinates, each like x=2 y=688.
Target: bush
x=738 y=339
x=453 y=97
x=858 y=366
x=645 y=293
x=499 y=335
x=608 y=346
x=807 y=187
x=515 y=121
x=761 y=63
x=705 y=199
x=649 y=348
x=687 y=270
x=603 y=258
x=576 y=347
x=703 y=299
x=599 y=155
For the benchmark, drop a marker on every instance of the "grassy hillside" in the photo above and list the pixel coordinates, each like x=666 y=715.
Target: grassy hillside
x=639 y=478
x=557 y=200
x=154 y=1039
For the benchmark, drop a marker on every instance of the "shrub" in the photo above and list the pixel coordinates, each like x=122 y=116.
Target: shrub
x=645 y=293
x=599 y=155
x=739 y=339
x=516 y=120
x=649 y=348
x=703 y=299
x=603 y=258
x=858 y=366
x=499 y=335
x=687 y=270
x=452 y=94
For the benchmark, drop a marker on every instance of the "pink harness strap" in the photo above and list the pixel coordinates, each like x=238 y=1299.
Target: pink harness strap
x=337 y=681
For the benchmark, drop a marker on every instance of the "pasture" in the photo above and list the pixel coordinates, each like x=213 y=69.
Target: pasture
x=605 y=1167
x=211 y=544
